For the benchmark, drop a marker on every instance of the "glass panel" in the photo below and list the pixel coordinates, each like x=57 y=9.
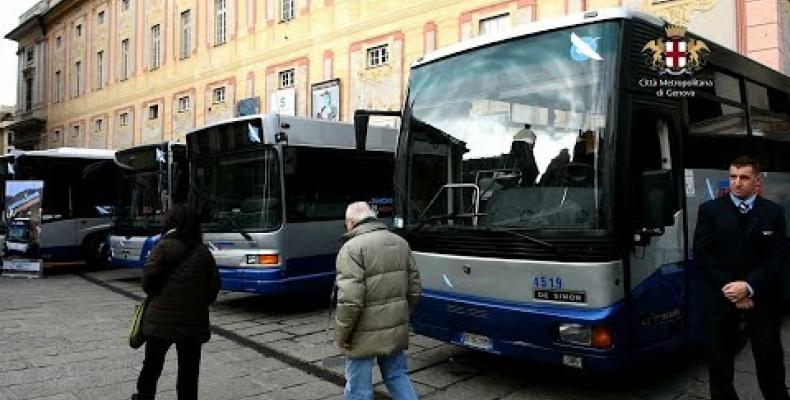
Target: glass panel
x=709 y=117
x=315 y=191
x=238 y=191
x=526 y=133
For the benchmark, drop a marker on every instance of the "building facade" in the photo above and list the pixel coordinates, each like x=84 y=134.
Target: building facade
x=117 y=73
x=31 y=104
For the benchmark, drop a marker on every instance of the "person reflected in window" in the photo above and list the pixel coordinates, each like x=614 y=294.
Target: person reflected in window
x=522 y=155
x=554 y=172
x=583 y=149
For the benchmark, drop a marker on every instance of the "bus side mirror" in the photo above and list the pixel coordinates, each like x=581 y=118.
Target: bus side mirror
x=658 y=211
x=362 y=120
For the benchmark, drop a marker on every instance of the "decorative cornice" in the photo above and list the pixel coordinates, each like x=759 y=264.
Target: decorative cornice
x=677 y=11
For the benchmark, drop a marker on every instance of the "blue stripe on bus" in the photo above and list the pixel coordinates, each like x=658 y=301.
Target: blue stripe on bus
x=526 y=331
x=123 y=263
x=148 y=245
x=300 y=275
x=529 y=331
x=659 y=308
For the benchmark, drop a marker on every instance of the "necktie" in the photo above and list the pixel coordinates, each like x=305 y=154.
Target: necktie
x=743 y=207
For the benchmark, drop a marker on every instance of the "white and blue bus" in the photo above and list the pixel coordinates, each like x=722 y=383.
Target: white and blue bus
x=78 y=200
x=153 y=178
x=272 y=192
x=550 y=190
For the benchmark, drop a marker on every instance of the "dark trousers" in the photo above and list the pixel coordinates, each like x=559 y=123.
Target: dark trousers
x=763 y=328
x=188 y=368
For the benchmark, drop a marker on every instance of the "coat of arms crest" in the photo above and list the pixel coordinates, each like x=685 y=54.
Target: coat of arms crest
x=676 y=54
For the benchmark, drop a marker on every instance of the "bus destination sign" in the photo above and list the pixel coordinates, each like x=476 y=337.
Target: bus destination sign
x=565 y=296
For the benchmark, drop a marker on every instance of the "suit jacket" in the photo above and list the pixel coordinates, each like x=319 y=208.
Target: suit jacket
x=727 y=250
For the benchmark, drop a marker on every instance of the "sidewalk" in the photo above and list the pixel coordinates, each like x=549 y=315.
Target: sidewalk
x=64 y=338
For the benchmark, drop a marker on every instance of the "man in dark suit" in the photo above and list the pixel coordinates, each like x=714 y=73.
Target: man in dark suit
x=736 y=245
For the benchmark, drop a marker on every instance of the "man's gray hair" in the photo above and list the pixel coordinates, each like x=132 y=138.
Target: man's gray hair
x=359 y=211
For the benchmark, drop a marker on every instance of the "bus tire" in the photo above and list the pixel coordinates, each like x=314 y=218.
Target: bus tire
x=95 y=251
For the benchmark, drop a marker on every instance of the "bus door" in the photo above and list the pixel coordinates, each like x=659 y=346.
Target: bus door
x=94 y=200
x=658 y=250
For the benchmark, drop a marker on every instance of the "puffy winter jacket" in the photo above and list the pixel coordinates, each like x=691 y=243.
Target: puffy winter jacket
x=378 y=287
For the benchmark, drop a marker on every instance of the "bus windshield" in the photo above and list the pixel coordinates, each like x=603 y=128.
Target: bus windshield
x=513 y=135
x=238 y=191
x=140 y=203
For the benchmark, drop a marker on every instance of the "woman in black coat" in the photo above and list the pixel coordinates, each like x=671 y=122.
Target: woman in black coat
x=181 y=280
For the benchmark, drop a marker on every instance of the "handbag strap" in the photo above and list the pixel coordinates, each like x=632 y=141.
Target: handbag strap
x=191 y=253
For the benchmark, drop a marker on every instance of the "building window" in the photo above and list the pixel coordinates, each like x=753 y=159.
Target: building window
x=100 y=18
x=218 y=95
x=153 y=111
x=56 y=87
x=56 y=136
x=28 y=94
x=77 y=74
x=287 y=10
x=186 y=34
x=220 y=22
x=124 y=119
x=183 y=104
x=155 y=47
x=76 y=131
x=99 y=69
x=287 y=79
x=124 y=5
x=97 y=125
x=494 y=24
x=78 y=30
x=124 y=59
x=378 y=56
x=57 y=42
x=29 y=56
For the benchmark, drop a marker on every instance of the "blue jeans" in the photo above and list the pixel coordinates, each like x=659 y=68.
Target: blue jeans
x=359 y=377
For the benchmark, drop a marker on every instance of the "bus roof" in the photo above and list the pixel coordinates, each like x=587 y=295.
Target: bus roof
x=309 y=132
x=320 y=133
x=726 y=59
x=548 y=24
x=73 y=152
x=151 y=146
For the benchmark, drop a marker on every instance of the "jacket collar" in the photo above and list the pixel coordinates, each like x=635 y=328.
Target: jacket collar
x=363 y=227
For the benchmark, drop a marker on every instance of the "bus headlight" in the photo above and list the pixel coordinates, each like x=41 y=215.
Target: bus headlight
x=599 y=336
x=266 y=260
x=575 y=334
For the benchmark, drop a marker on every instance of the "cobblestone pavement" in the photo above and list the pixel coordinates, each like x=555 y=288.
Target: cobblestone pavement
x=63 y=338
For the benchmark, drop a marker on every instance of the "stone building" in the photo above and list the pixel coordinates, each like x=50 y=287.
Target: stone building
x=116 y=73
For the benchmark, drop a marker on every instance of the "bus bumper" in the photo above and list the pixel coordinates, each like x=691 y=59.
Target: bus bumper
x=124 y=263
x=528 y=332
x=274 y=281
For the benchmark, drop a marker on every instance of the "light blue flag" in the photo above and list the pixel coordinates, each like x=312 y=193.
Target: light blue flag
x=253 y=133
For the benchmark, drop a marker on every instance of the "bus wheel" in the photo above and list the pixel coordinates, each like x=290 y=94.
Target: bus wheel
x=95 y=252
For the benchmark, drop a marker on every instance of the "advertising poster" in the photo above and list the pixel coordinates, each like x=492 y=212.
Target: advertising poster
x=326 y=100
x=23 y=201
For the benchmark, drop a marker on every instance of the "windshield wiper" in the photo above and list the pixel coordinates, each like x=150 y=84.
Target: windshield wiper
x=557 y=250
x=424 y=220
x=236 y=226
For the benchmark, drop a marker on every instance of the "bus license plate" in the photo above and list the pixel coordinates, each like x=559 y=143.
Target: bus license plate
x=476 y=341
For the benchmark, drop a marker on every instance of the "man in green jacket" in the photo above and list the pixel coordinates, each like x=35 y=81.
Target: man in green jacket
x=378 y=287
